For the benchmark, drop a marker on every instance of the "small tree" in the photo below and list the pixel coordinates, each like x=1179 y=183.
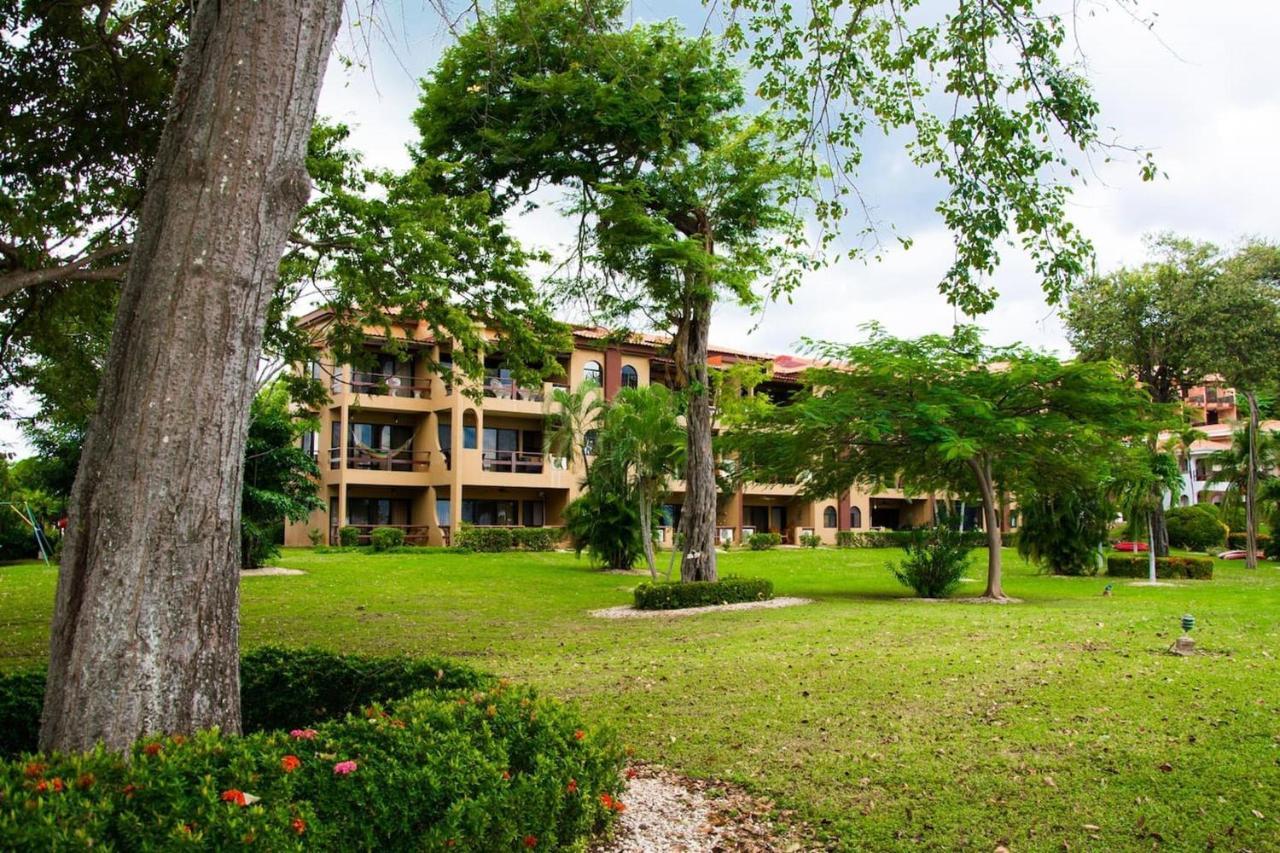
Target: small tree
x=936 y=558
x=945 y=414
x=605 y=520
x=1064 y=528
x=1141 y=489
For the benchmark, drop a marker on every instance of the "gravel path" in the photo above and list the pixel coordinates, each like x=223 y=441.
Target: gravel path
x=668 y=813
x=626 y=611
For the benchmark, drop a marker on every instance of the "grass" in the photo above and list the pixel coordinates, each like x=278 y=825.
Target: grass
x=1058 y=723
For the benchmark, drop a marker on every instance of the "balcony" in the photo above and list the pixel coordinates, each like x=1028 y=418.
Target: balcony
x=383 y=460
x=511 y=462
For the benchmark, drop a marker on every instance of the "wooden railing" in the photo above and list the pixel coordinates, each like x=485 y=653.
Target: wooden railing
x=511 y=461
x=507 y=389
x=414 y=534
x=385 y=385
x=383 y=460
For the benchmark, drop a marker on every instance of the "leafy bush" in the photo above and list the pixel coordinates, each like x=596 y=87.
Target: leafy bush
x=1195 y=528
x=936 y=560
x=1137 y=566
x=316 y=536
x=383 y=538
x=846 y=539
x=473 y=538
x=605 y=524
x=764 y=541
x=486 y=767
x=810 y=540
x=1063 y=531
x=21 y=699
x=537 y=538
x=348 y=537
x=1236 y=541
x=727 y=590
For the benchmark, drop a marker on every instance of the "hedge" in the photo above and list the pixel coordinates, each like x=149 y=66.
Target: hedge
x=383 y=538
x=727 y=590
x=764 y=541
x=810 y=540
x=485 y=538
x=348 y=536
x=1239 y=541
x=1137 y=566
x=900 y=538
x=496 y=768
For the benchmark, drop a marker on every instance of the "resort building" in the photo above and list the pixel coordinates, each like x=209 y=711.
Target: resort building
x=1215 y=414
x=403 y=446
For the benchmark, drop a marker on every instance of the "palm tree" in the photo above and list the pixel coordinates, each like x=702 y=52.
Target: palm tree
x=1179 y=444
x=1142 y=491
x=642 y=433
x=572 y=417
x=1231 y=466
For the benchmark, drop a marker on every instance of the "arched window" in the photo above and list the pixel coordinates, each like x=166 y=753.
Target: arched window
x=630 y=379
x=829 y=517
x=591 y=372
x=855 y=517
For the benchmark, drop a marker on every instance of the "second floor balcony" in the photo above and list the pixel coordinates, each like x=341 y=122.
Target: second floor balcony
x=511 y=462
x=366 y=459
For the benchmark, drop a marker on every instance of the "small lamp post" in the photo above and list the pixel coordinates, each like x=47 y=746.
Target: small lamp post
x=1184 y=644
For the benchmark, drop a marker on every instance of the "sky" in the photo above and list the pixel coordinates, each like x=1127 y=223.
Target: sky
x=1199 y=89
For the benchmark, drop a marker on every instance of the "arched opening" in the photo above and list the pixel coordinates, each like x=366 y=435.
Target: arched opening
x=855 y=518
x=630 y=379
x=592 y=372
x=470 y=430
x=829 y=517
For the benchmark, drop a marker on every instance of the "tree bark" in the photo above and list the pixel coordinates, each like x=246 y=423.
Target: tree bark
x=1251 y=488
x=1159 y=530
x=699 y=513
x=145 y=629
x=991 y=520
x=646 y=528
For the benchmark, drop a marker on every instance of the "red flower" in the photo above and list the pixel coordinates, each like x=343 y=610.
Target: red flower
x=131 y=789
x=631 y=773
x=290 y=763
x=506 y=775
x=188 y=828
x=152 y=749
x=572 y=787
x=58 y=784
x=531 y=841
x=85 y=780
x=579 y=734
x=299 y=825
x=42 y=786
x=232 y=795
x=606 y=801
x=619 y=807
x=34 y=770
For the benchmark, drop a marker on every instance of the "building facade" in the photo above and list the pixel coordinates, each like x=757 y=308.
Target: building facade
x=403 y=446
x=1214 y=412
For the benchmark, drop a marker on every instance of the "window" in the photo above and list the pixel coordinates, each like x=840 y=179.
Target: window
x=377 y=511
x=468 y=437
x=589 y=442
x=630 y=379
x=442 y=512
x=445 y=432
x=855 y=518
x=591 y=372
x=534 y=513
x=310 y=442
x=486 y=513
x=829 y=517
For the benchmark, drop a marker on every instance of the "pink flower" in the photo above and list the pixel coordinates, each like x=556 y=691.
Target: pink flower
x=343 y=768
x=303 y=734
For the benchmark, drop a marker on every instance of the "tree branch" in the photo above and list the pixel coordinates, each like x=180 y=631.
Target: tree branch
x=12 y=282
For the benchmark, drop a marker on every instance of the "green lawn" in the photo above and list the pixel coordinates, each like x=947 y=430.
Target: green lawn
x=887 y=723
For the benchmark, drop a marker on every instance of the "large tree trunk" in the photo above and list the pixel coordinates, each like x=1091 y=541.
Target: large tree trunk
x=1251 y=488
x=991 y=520
x=699 y=513
x=1159 y=530
x=145 y=627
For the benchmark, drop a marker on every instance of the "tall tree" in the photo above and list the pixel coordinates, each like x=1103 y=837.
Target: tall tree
x=1144 y=319
x=1151 y=474
x=1239 y=339
x=154 y=513
x=946 y=414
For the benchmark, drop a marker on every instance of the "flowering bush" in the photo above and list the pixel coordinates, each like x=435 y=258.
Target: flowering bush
x=466 y=769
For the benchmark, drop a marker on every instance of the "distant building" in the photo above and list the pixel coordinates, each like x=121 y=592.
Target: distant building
x=1214 y=413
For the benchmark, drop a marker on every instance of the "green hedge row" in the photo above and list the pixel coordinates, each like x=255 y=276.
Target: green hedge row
x=1137 y=566
x=1237 y=541
x=384 y=538
x=727 y=590
x=494 y=768
x=508 y=538
x=900 y=538
x=764 y=541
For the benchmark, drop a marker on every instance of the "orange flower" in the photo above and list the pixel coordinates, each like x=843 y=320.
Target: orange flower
x=152 y=749
x=290 y=763
x=619 y=807
x=85 y=781
x=506 y=775
x=579 y=734
x=299 y=825
x=606 y=801
x=42 y=786
x=179 y=739
x=34 y=770
x=131 y=789
x=572 y=787
x=232 y=795
x=58 y=784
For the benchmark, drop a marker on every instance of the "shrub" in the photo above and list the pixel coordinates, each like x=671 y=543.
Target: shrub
x=764 y=541
x=537 y=538
x=348 y=537
x=727 y=590
x=1195 y=528
x=1236 y=541
x=316 y=536
x=846 y=539
x=480 y=768
x=810 y=540
x=1063 y=531
x=21 y=699
x=606 y=524
x=384 y=538
x=1137 y=566
x=474 y=538
x=936 y=559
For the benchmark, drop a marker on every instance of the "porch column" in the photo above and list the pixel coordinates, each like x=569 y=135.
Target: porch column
x=842 y=514
x=612 y=372
x=344 y=427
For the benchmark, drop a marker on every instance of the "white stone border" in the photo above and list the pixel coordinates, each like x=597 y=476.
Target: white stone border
x=626 y=611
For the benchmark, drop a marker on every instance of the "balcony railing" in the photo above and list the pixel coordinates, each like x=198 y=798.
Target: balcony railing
x=414 y=534
x=507 y=389
x=385 y=385
x=511 y=461
x=382 y=460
